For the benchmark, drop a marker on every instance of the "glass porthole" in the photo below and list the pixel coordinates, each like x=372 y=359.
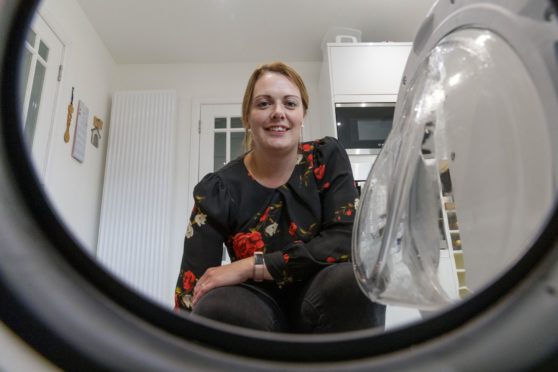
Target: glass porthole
x=469 y=142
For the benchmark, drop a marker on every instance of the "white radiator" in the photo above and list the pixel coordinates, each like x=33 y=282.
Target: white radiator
x=135 y=220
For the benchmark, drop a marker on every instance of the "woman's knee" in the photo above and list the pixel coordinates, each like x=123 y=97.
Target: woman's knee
x=334 y=302
x=333 y=283
x=240 y=306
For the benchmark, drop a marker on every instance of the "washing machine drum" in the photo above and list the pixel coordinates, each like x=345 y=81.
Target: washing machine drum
x=468 y=176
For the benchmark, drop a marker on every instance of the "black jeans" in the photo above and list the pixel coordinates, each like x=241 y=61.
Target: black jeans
x=331 y=301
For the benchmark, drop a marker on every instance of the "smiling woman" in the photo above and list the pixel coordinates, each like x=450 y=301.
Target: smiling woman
x=57 y=299
x=285 y=212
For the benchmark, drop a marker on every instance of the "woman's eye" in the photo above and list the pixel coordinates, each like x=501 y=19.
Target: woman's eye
x=262 y=104
x=292 y=104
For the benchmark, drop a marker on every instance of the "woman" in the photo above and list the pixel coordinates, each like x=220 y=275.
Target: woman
x=285 y=211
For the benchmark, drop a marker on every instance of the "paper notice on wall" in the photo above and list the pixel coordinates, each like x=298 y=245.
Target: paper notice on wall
x=80 y=135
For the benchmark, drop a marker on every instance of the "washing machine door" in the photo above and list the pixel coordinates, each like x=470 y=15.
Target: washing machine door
x=468 y=178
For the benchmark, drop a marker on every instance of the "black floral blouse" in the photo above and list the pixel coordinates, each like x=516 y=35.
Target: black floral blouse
x=301 y=226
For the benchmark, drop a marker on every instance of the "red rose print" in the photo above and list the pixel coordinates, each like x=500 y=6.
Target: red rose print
x=330 y=260
x=245 y=244
x=319 y=172
x=286 y=257
x=307 y=147
x=310 y=161
x=188 y=281
x=292 y=229
x=349 y=212
x=326 y=185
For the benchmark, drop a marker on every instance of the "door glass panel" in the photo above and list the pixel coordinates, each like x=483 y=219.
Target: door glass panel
x=219 y=142
x=27 y=57
x=43 y=51
x=220 y=123
x=220 y=150
x=34 y=102
x=237 y=147
x=31 y=35
x=236 y=122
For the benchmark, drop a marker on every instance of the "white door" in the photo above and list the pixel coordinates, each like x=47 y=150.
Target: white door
x=221 y=136
x=39 y=88
x=221 y=140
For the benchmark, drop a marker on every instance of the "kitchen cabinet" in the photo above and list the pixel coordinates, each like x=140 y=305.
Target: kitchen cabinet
x=367 y=72
x=359 y=72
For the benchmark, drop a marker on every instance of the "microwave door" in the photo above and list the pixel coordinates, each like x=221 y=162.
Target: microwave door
x=364 y=128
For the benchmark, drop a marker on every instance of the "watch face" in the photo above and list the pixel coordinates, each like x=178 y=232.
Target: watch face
x=258 y=266
x=258 y=258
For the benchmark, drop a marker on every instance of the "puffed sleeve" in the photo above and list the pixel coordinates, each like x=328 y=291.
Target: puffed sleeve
x=338 y=197
x=205 y=234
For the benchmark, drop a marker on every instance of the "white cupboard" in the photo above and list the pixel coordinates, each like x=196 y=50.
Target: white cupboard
x=367 y=72
x=359 y=72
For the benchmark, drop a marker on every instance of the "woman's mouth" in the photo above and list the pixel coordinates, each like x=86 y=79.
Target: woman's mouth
x=277 y=129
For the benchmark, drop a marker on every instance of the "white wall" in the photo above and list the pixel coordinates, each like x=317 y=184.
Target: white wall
x=76 y=188
x=201 y=83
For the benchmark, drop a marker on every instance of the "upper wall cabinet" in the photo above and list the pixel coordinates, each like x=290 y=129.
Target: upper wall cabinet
x=367 y=72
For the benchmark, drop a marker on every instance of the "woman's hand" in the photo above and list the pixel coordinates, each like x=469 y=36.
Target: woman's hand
x=220 y=276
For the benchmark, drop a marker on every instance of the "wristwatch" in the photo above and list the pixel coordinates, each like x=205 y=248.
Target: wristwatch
x=258 y=266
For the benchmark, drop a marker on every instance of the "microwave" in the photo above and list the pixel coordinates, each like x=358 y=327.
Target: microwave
x=362 y=128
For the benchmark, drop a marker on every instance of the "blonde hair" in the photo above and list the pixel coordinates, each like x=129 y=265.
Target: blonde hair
x=277 y=67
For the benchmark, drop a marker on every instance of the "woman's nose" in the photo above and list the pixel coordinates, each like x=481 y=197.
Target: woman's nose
x=278 y=112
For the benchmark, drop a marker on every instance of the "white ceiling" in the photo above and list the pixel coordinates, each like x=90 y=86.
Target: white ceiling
x=203 y=31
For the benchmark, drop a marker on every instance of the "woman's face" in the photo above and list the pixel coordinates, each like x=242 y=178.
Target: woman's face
x=276 y=114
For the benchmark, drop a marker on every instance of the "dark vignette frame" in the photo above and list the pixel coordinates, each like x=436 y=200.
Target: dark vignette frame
x=98 y=323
